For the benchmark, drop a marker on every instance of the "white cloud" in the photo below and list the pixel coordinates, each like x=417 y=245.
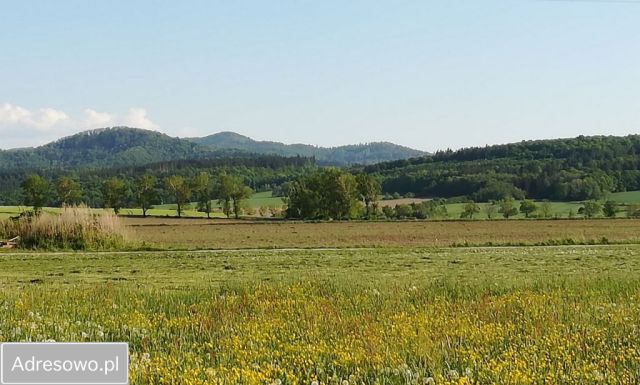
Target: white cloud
x=137 y=117
x=43 y=119
x=21 y=126
x=49 y=117
x=13 y=114
x=93 y=118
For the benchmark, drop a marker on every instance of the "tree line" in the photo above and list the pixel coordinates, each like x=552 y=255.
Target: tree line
x=508 y=208
x=260 y=172
x=144 y=192
x=329 y=193
x=325 y=194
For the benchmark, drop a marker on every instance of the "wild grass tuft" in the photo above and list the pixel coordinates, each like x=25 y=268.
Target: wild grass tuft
x=75 y=228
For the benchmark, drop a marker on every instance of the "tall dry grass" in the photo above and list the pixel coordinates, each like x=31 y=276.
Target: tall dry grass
x=76 y=228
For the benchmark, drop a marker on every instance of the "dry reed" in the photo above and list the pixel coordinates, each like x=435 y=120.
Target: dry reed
x=76 y=227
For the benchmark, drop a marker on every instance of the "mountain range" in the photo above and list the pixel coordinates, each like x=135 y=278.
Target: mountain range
x=369 y=153
x=126 y=146
x=570 y=169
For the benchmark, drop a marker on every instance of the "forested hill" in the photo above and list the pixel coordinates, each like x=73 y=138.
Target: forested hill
x=125 y=146
x=561 y=169
x=344 y=155
x=102 y=148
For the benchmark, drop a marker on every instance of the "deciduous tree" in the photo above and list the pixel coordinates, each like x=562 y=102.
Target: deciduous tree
x=203 y=188
x=114 y=193
x=470 y=209
x=36 y=192
x=528 y=207
x=224 y=192
x=590 y=209
x=179 y=190
x=369 y=190
x=545 y=209
x=68 y=190
x=610 y=209
x=490 y=210
x=145 y=192
x=507 y=208
x=238 y=196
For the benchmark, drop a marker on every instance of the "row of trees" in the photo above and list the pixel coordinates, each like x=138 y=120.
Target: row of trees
x=508 y=208
x=330 y=194
x=145 y=191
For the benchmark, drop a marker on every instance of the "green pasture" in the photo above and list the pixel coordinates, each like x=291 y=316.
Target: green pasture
x=628 y=197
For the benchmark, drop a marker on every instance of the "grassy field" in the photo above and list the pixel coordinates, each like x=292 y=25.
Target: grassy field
x=554 y=315
x=221 y=234
x=626 y=197
x=10 y=211
x=345 y=303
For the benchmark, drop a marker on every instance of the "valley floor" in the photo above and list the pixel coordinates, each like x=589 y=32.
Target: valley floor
x=517 y=315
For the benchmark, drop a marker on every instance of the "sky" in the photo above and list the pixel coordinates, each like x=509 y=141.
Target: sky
x=426 y=74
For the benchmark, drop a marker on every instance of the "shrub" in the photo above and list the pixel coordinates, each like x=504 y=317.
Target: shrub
x=276 y=211
x=590 y=209
x=77 y=228
x=404 y=211
x=610 y=209
x=633 y=211
x=388 y=212
x=507 y=208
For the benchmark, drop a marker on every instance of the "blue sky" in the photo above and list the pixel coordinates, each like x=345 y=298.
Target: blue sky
x=427 y=74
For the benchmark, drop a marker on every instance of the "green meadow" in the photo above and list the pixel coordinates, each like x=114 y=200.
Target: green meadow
x=419 y=316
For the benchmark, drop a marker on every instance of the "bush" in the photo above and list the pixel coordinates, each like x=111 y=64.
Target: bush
x=498 y=190
x=610 y=209
x=76 y=228
x=590 y=209
x=633 y=211
x=404 y=211
x=388 y=212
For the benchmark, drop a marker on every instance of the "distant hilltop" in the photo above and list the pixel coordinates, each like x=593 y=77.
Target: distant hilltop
x=368 y=153
x=127 y=146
